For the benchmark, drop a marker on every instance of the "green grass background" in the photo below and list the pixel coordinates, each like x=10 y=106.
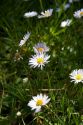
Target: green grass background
x=66 y=106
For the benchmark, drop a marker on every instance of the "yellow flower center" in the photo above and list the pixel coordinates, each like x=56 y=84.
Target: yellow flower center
x=40 y=60
x=81 y=13
x=78 y=76
x=40 y=49
x=39 y=102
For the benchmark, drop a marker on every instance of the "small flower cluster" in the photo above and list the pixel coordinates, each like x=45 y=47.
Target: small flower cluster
x=47 y=13
x=40 y=58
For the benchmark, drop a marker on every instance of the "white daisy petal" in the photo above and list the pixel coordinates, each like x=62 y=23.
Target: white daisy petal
x=38 y=109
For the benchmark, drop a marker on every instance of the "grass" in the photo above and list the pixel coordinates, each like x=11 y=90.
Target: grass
x=66 y=105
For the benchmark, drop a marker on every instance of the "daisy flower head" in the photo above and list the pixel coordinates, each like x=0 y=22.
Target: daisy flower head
x=38 y=101
x=25 y=38
x=39 y=60
x=47 y=13
x=30 y=14
x=76 y=76
x=66 y=23
x=78 y=13
x=40 y=48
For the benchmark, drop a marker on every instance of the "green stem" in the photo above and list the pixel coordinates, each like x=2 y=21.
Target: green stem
x=41 y=4
x=53 y=113
x=23 y=121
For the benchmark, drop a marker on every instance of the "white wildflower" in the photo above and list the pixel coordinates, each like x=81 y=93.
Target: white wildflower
x=30 y=14
x=40 y=48
x=47 y=13
x=38 y=101
x=25 y=38
x=78 y=13
x=76 y=76
x=39 y=60
x=66 y=23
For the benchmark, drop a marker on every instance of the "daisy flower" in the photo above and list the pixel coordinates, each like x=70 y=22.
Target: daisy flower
x=25 y=38
x=40 y=48
x=38 y=101
x=78 y=13
x=77 y=76
x=66 y=23
x=47 y=13
x=30 y=14
x=39 y=60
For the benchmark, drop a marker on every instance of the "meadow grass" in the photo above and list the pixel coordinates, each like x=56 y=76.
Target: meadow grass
x=66 y=54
